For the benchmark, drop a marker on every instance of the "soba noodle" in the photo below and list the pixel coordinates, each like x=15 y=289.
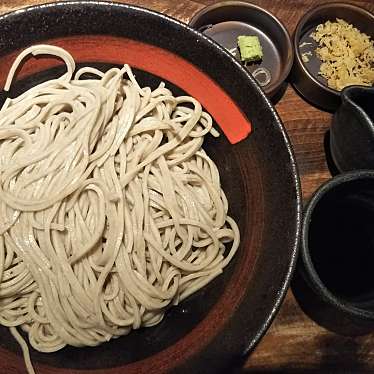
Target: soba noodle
x=111 y=210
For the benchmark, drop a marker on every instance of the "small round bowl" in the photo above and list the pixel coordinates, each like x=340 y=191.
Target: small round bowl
x=333 y=282
x=304 y=75
x=225 y=21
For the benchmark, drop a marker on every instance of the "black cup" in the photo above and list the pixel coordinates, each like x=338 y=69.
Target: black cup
x=334 y=280
x=352 y=130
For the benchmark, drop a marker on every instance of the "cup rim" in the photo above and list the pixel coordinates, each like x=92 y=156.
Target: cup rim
x=345 y=97
x=310 y=272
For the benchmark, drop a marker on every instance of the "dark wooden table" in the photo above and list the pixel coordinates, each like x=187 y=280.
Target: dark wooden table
x=294 y=343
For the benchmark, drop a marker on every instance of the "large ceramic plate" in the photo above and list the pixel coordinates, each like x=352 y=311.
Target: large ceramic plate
x=224 y=321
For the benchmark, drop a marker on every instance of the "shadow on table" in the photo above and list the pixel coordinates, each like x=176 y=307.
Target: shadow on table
x=336 y=354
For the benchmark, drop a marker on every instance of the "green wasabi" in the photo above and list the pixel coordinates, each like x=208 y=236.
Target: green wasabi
x=250 y=48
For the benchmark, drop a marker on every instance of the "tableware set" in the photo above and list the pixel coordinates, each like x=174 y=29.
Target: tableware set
x=332 y=282
x=337 y=238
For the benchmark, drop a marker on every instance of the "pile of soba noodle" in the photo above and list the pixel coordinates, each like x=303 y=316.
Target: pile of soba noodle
x=111 y=211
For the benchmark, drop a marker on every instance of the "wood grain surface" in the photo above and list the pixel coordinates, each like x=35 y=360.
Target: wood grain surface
x=294 y=343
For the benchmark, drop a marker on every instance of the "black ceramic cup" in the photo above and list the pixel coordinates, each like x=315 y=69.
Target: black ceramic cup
x=334 y=280
x=352 y=130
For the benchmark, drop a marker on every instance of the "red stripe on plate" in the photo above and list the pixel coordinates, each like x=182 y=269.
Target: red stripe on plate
x=154 y=60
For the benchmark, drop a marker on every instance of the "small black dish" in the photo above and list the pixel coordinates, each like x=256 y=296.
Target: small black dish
x=225 y=21
x=352 y=130
x=304 y=75
x=334 y=282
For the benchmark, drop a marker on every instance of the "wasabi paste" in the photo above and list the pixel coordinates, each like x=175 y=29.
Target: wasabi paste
x=250 y=48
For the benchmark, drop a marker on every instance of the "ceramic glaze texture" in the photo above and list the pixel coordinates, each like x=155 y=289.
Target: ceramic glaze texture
x=333 y=282
x=352 y=130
